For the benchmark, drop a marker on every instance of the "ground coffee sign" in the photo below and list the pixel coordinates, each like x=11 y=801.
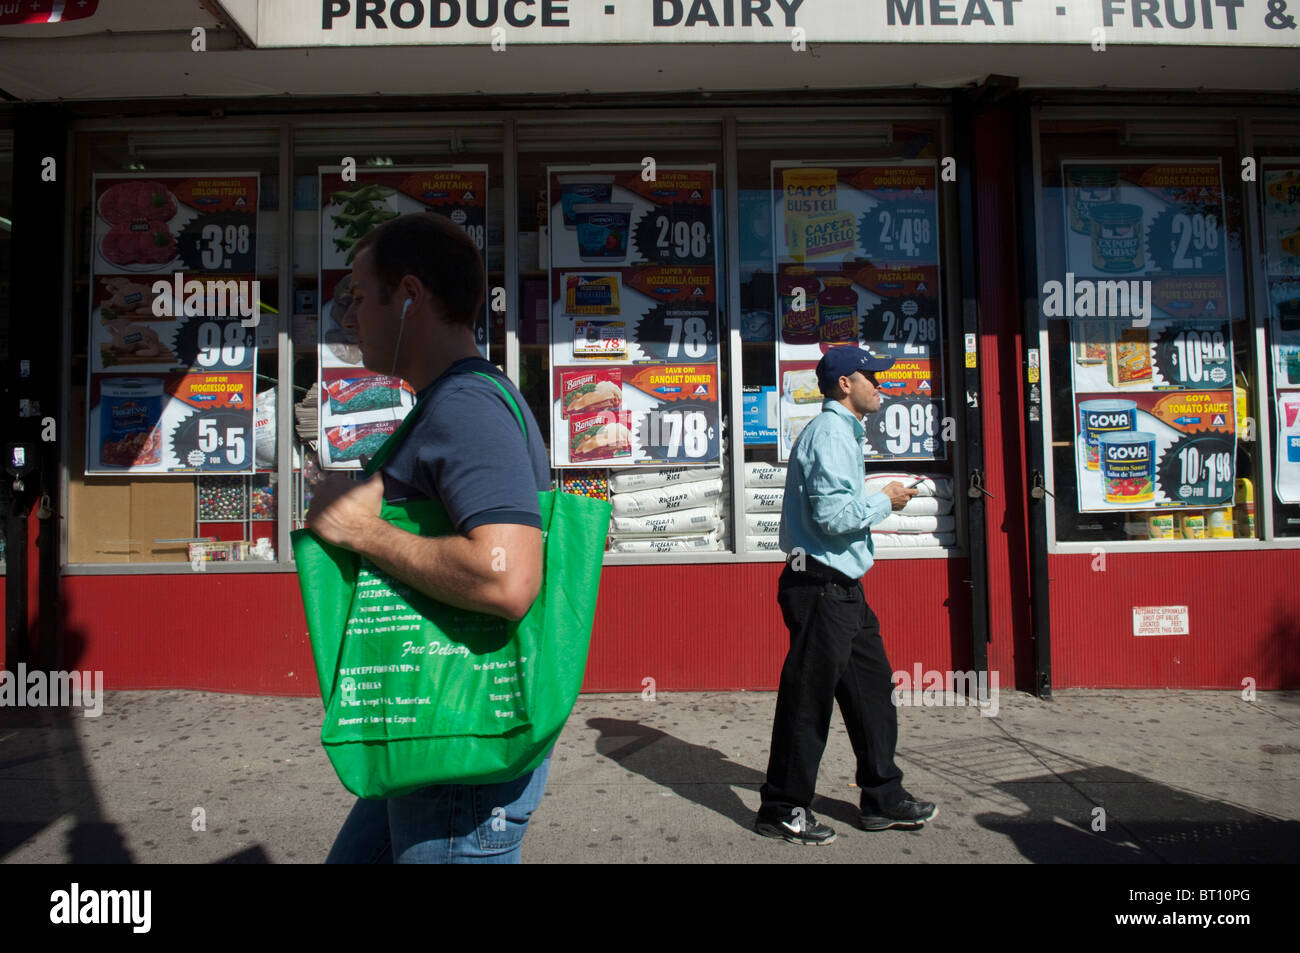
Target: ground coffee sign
x=1086 y=22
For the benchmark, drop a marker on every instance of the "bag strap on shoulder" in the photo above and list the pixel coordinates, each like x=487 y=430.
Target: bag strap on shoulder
x=510 y=399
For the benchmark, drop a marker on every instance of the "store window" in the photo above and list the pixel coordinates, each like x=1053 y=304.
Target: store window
x=347 y=181
x=174 y=348
x=842 y=243
x=6 y=231
x=1150 y=358
x=623 y=350
x=1278 y=257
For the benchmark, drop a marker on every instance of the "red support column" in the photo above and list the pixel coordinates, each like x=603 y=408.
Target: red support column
x=1002 y=379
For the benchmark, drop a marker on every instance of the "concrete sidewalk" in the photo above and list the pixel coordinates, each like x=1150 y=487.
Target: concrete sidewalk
x=1181 y=776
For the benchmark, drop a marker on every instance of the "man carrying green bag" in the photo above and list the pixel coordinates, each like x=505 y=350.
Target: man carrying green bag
x=450 y=595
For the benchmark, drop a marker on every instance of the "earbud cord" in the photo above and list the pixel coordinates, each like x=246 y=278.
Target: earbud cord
x=397 y=349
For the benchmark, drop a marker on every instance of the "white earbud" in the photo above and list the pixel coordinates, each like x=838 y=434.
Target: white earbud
x=401 y=326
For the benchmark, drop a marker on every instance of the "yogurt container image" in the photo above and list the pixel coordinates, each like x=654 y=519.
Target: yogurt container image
x=583 y=188
x=603 y=230
x=1097 y=417
x=130 y=410
x=1128 y=466
x=1118 y=238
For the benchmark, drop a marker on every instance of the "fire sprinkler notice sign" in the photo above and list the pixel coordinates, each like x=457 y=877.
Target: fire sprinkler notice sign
x=1160 y=620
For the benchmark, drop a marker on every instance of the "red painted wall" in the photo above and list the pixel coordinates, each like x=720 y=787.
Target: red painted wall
x=701 y=627
x=1244 y=620
x=718 y=628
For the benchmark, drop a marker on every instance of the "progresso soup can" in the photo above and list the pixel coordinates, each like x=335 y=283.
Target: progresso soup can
x=1128 y=466
x=1097 y=417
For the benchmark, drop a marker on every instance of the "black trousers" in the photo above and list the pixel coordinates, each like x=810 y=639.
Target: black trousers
x=836 y=655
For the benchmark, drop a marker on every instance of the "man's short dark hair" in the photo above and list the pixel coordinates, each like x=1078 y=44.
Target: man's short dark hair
x=435 y=250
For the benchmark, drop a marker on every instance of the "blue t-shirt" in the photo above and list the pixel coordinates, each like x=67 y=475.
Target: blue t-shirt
x=466 y=451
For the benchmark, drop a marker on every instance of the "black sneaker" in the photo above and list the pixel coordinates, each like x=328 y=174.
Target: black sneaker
x=798 y=827
x=908 y=813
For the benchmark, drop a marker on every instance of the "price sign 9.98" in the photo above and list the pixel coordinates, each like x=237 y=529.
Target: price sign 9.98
x=906 y=429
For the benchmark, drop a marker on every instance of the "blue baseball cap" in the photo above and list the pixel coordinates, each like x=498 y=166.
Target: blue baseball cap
x=844 y=360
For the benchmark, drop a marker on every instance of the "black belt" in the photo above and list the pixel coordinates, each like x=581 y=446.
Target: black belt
x=820 y=571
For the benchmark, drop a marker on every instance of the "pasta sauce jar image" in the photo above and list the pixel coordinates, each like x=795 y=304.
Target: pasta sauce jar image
x=130 y=410
x=1097 y=417
x=837 y=307
x=1118 y=238
x=1128 y=466
x=799 y=326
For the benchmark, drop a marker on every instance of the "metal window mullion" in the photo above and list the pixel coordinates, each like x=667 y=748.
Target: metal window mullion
x=1259 y=310
x=284 y=429
x=65 y=363
x=514 y=293
x=735 y=359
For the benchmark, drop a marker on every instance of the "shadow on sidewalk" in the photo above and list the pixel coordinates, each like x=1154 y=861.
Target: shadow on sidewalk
x=695 y=773
x=1047 y=802
x=1063 y=809
x=44 y=778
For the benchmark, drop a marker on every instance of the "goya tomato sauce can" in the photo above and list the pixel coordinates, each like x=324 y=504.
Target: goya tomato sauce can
x=1097 y=417
x=1128 y=466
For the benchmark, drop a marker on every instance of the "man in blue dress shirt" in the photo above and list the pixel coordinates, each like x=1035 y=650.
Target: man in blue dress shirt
x=836 y=654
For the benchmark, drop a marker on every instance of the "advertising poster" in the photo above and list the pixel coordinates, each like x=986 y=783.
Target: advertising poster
x=1281 y=218
x=634 y=317
x=857 y=262
x=359 y=408
x=174 y=305
x=1153 y=450
x=1146 y=294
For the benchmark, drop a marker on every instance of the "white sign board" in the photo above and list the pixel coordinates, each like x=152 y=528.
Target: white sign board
x=1160 y=620
x=1096 y=23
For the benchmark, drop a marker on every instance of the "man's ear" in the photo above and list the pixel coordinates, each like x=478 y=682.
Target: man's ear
x=410 y=287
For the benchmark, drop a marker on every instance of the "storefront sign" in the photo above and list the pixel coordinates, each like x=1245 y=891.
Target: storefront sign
x=856 y=249
x=1280 y=191
x=1146 y=293
x=174 y=308
x=358 y=407
x=1079 y=22
x=1160 y=620
x=634 y=316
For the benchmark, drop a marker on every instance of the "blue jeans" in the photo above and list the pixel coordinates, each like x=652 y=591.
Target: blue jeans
x=443 y=824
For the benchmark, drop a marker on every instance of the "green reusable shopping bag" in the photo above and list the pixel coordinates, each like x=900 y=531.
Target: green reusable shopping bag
x=417 y=692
